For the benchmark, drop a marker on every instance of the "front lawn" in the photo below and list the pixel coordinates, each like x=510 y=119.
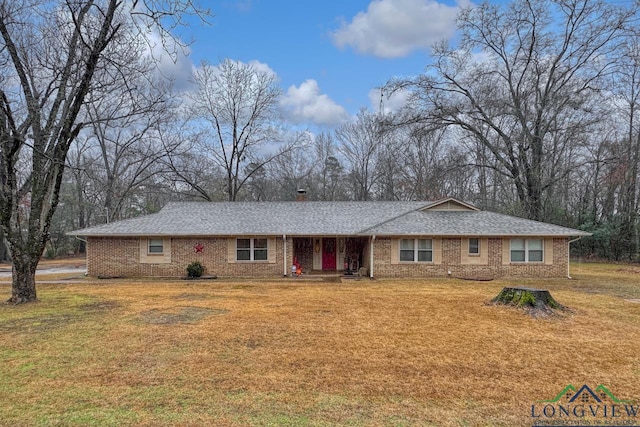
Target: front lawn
x=414 y=352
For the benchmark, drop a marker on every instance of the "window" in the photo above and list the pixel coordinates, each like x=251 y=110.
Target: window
x=156 y=247
x=425 y=250
x=527 y=250
x=518 y=250
x=416 y=250
x=407 y=250
x=153 y=250
x=534 y=250
x=259 y=249
x=474 y=246
x=244 y=249
x=251 y=250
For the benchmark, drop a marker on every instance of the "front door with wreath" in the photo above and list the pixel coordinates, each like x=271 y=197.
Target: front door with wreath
x=329 y=253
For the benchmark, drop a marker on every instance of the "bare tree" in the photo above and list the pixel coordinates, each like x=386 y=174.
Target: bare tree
x=329 y=181
x=360 y=145
x=392 y=146
x=234 y=111
x=50 y=53
x=124 y=129
x=192 y=174
x=312 y=167
x=626 y=90
x=522 y=83
x=290 y=172
x=423 y=172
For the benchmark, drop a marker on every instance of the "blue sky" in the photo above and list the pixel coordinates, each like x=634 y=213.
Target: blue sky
x=328 y=55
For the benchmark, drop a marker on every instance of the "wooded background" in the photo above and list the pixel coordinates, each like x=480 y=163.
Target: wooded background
x=533 y=113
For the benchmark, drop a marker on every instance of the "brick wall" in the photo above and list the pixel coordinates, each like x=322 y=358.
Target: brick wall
x=120 y=257
x=303 y=251
x=451 y=261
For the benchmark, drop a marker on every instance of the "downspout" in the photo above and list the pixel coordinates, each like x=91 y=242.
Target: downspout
x=569 y=254
x=373 y=239
x=284 y=260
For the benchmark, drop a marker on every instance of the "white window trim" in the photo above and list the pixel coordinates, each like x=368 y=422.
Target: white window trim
x=415 y=252
x=469 y=246
x=526 y=251
x=147 y=257
x=252 y=249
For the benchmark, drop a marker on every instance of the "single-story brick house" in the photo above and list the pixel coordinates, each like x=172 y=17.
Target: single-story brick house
x=381 y=239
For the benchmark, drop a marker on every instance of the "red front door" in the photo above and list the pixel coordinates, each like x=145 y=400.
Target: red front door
x=329 y=254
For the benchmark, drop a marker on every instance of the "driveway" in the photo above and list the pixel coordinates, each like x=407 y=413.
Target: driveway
x=5 y=271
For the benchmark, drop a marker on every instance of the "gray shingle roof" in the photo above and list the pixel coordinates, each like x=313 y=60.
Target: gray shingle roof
x=320 y=218
x=465 y=223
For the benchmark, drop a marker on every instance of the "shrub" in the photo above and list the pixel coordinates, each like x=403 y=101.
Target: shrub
x=50 y=253
x=195 y=269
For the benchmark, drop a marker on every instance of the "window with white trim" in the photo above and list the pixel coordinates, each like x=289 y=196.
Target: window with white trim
x=527 y=250
x=474 y=246
x=155 y=247
x=416 y=250
x=251 y=249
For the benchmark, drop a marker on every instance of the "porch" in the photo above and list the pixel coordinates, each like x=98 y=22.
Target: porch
x=337 y=255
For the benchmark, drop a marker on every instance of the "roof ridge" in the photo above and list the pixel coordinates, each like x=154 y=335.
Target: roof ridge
x=226 y=202
x=531 y=220
x=363 y=231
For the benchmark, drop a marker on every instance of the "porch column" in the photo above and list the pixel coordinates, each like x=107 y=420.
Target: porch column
x=284 y=260
x=373 y=239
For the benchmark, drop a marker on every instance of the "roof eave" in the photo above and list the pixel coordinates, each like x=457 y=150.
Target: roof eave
x=480 y=234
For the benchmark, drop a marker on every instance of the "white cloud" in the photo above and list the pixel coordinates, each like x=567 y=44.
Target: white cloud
x=305 y=103
x=258 y=66
x=395 y=28
x=172 y=60
x=261 y=67
x=391 y=103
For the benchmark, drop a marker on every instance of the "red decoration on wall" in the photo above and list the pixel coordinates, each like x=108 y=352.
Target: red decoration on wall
x=199 y=248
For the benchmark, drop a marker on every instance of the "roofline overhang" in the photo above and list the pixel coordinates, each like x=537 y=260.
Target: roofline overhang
x=584 y=234
x=486 y=235
x=217 y=235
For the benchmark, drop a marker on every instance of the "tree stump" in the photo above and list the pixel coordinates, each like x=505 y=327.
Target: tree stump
x=536 y=301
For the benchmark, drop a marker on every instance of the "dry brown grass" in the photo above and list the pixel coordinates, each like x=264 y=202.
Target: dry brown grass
x=421 y=352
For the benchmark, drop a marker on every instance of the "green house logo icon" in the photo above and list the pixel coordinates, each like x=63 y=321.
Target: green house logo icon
x=571 y=394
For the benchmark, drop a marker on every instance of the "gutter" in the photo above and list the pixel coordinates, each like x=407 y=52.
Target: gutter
x=86 y=253
x=569 y=254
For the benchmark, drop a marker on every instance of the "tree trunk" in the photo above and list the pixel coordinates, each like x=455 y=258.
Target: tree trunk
x=23 y=287
x=4 y=253
x=538 y=301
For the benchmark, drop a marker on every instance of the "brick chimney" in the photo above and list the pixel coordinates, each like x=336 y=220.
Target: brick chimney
x=301 y=196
